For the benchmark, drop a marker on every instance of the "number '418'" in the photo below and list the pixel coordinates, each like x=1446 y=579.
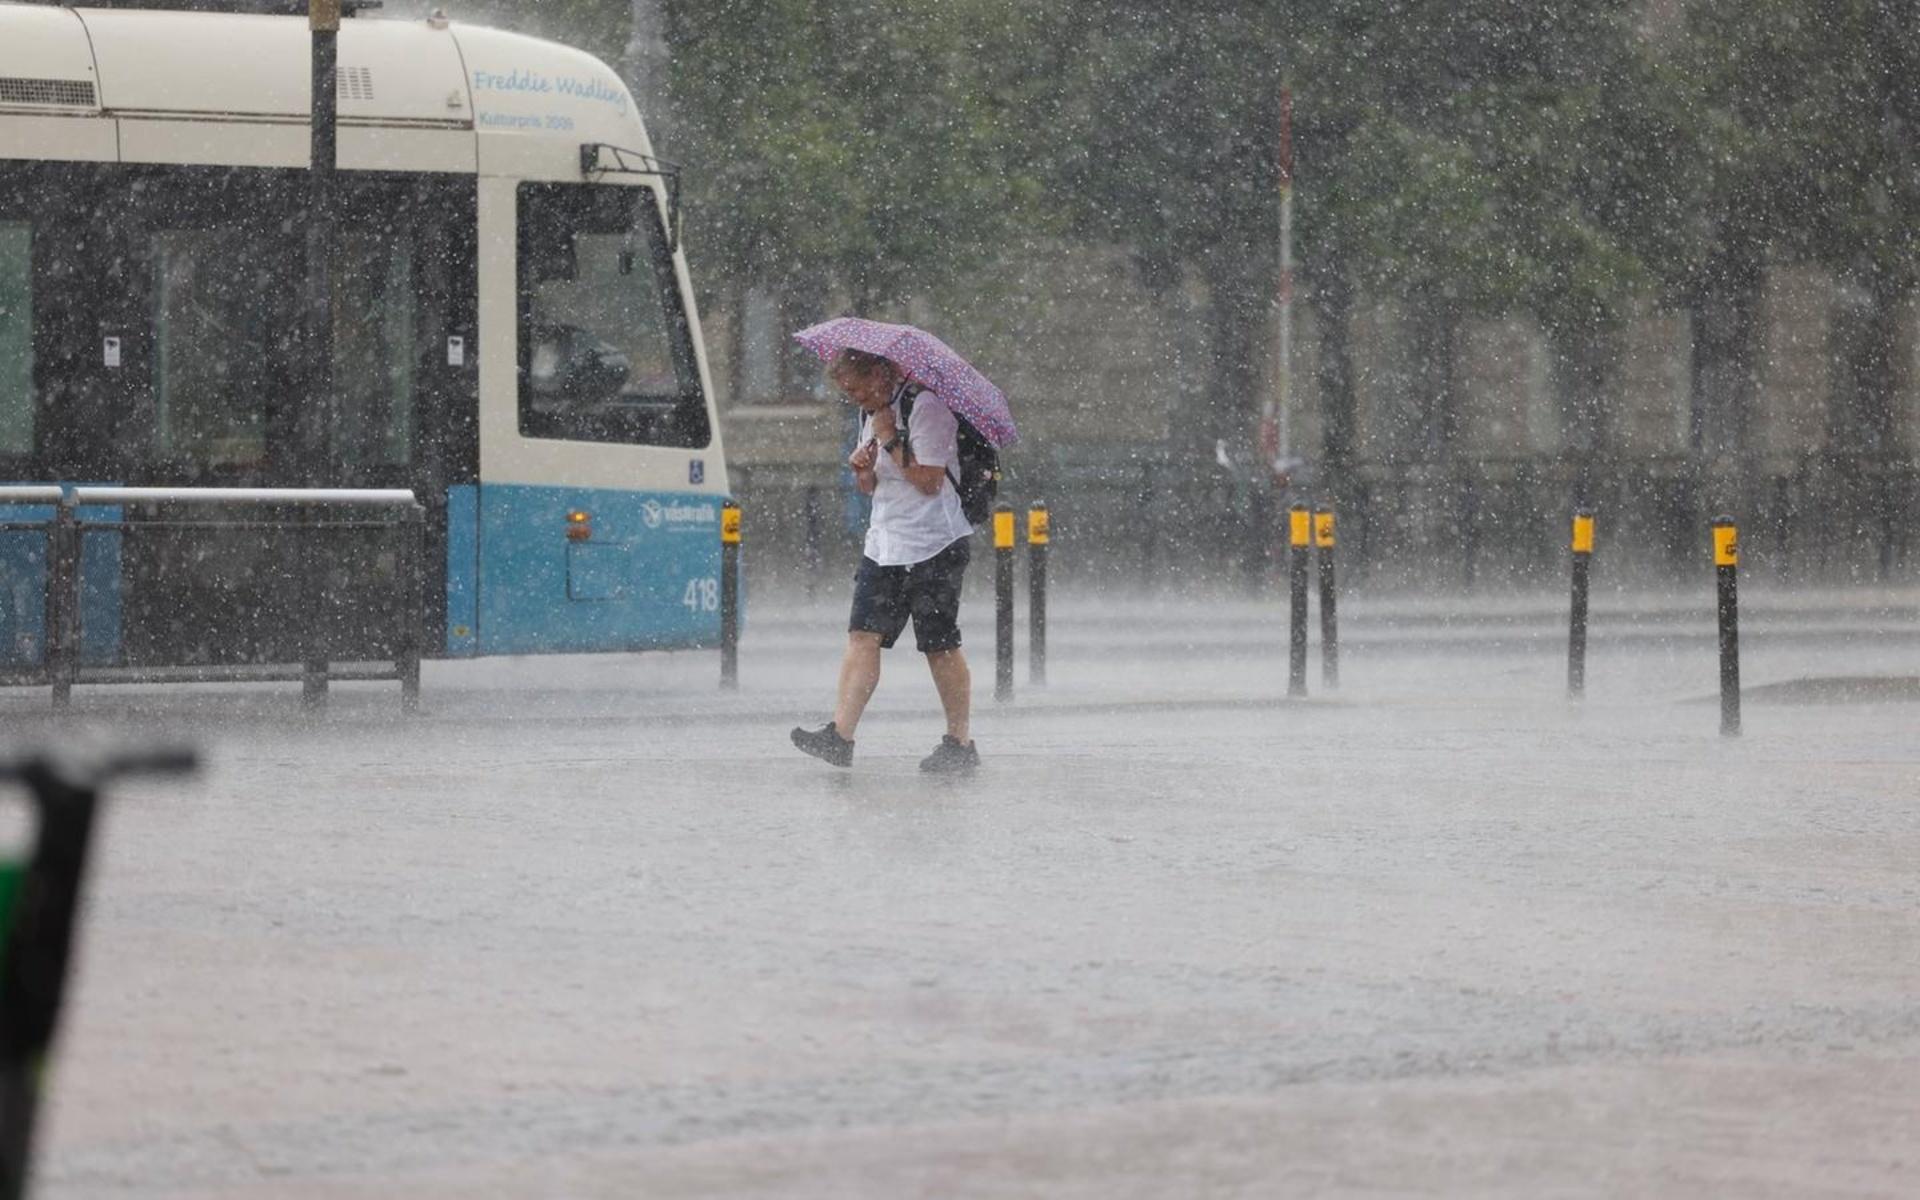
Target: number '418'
x=702 y=595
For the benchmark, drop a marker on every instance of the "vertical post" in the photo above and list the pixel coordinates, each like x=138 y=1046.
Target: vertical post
x=318 y=611
x=1329 y=610
x=1470 y=529
x=315 y=423
x=730 y=596
x=313 y=672
x=813 y=541
x=1299 y=540
x=1284 y=384
x=1726 y=568
x=63 y=602
x=413 y=561
x=1577 y=619
x=1038 y=536
x=1003 y=601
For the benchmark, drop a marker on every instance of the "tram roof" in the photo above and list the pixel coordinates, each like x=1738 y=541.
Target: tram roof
x=234 y=88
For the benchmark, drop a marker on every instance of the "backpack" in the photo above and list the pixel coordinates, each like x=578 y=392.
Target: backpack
x=978 y=466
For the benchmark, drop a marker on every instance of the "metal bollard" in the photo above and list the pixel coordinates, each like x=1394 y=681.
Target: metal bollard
x=1003 y=602
x=1037 y=538
x=1329 y=613
x=730 y=596
x=63 y=603
x=1300 y=541
x=1726 y=568
x=314 y=669
x=1577 y=620
x=413 y=558
x=313 y=684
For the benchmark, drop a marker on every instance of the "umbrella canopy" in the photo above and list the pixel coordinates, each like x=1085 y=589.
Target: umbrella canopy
x=927 y=361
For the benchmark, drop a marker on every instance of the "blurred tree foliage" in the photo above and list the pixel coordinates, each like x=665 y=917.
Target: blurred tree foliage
x=868 y=147
x=1461 y=154
x=1554 y=158
x=1821 y=110
x=600 y=27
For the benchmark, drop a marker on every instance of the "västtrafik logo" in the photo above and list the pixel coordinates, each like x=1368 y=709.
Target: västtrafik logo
x=655 y=514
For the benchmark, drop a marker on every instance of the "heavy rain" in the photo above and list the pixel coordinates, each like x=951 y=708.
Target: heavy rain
x=1406 y=510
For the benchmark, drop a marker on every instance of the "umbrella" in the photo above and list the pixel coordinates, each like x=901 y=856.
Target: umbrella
x=927 y=361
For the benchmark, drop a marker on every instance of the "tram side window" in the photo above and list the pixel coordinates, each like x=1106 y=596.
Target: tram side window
x=16 y=337
x=605 y=350
x=217 y=336
x=223 y=322
x=373 y=348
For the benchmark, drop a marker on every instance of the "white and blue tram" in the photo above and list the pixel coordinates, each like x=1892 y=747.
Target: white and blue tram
x=514 y=337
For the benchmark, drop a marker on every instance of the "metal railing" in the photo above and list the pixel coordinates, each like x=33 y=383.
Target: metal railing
x=393 y=511
x=1150 y=520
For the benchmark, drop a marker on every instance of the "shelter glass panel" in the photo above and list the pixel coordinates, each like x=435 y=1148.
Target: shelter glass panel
x=16 y=337
x=606 y=353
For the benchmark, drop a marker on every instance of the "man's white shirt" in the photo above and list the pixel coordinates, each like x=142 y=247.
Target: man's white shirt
x=908 y=526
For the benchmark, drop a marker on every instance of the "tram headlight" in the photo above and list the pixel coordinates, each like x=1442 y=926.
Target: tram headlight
x=579 y=526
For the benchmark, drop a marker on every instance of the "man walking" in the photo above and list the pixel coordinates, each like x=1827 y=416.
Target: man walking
x=915 y=558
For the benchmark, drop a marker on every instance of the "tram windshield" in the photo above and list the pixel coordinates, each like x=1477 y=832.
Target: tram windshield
x=16 y=337
x=605 y=351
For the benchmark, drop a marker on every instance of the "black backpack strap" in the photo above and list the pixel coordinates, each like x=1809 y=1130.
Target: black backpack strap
x=909 y=391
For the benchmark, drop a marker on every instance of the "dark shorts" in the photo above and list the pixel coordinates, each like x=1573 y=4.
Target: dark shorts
x=929 y=592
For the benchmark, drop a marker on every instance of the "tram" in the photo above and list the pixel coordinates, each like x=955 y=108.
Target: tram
x=514 y=335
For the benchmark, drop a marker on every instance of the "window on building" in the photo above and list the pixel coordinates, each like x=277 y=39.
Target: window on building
x=606 y=354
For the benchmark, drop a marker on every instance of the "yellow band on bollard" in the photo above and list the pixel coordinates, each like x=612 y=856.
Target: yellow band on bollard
x=1726 y=546
x=1003 y=530
x=1037 y=525
x=1583 y=535
x=1300 y=527
x=730 y=525
x=323 y=16
x=1323 y=529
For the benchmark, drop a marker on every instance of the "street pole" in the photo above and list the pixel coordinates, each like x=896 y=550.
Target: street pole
x=1276 y=418
x=323 y=18
x=1285 y=389
x=315 y=419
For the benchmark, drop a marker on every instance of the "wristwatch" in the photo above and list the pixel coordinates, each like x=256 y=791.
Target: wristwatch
x=887 y=446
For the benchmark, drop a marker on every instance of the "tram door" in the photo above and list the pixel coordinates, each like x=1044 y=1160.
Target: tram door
x=71 y=408
x=89 y=420
x=201 y=385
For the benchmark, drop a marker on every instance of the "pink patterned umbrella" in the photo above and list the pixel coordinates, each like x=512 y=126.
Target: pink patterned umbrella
x=926 y=360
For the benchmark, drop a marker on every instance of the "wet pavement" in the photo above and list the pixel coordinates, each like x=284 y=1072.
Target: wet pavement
x=590 y=927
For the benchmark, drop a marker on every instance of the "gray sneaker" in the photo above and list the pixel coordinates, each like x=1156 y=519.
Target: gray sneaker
x=825 y=743
x=951 y=755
